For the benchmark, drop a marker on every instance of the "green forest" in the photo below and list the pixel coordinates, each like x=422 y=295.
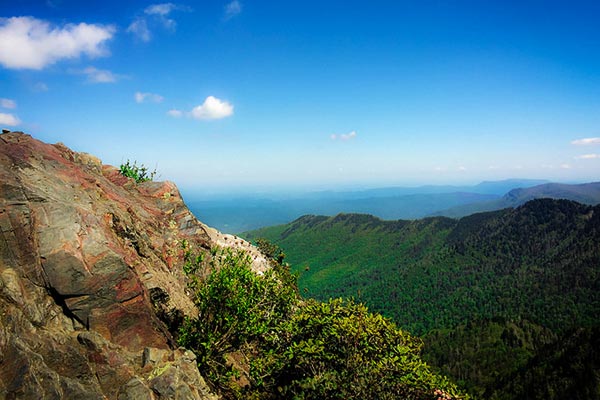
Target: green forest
x=498 y=297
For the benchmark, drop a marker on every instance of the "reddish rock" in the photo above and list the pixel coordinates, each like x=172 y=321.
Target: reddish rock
x=80 y=248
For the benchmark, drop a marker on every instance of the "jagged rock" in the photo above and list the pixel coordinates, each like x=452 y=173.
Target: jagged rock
x=81 y=247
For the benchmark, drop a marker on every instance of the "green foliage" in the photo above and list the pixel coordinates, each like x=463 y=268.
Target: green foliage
x=479 y=354
x=138 y=173
x=338 y=350
x=270 y=250
x=256 y=339
x=392 y=266
x=192 y=262
x=567 y=369
x=437 y=276
x=538 y=262
x=236 y=306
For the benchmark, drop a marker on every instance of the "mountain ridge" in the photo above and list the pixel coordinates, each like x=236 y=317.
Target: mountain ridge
x=585 y=193
x=336 y=255
x=238 y=214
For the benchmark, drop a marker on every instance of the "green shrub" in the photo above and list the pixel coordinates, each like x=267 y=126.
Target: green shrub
x=270 y=250
x=255 y=338
x=138 y=173
x=236 y=308
x=338 y=350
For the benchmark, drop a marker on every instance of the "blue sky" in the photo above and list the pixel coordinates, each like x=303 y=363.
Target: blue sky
x=230 y=95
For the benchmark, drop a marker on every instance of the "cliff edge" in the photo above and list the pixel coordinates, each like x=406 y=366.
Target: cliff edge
x=88 y=258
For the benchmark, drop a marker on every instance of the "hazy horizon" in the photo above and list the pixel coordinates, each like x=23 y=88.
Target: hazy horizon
x=201 y=191
x=247 y=94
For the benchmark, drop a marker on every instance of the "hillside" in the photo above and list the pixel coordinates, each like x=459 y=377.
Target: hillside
x=538 y=262
x=586 y=193
x=566 y=369
x=507 y=301
x=480 y=354
x=499 y=359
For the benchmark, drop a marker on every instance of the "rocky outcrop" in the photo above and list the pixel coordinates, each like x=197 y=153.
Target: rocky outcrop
x=84 y=251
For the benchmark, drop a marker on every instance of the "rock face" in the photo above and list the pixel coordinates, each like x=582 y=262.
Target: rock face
x=83 y=252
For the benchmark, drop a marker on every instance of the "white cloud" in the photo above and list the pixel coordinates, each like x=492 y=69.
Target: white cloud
x=462 y=168
x=8 y=103
x=232 y=9
x=588 y=156
x=95 y=75
x=212 y=108
x=586 y=141
x=160 y=9
x=139 y=27
x=9 y=119
x=30 y=43
x=154 y=14
x=565 y=166
x=175 y=113
x=151 y=97
x=161 y=12
x=343 y=136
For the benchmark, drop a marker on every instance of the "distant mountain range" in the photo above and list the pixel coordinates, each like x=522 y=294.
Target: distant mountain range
x=497 y=188
x=245 y=213
x=586 y=193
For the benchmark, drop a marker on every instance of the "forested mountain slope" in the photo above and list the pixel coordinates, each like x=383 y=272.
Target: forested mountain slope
x=507 y=301
x=539 y=261
x=505 y=360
